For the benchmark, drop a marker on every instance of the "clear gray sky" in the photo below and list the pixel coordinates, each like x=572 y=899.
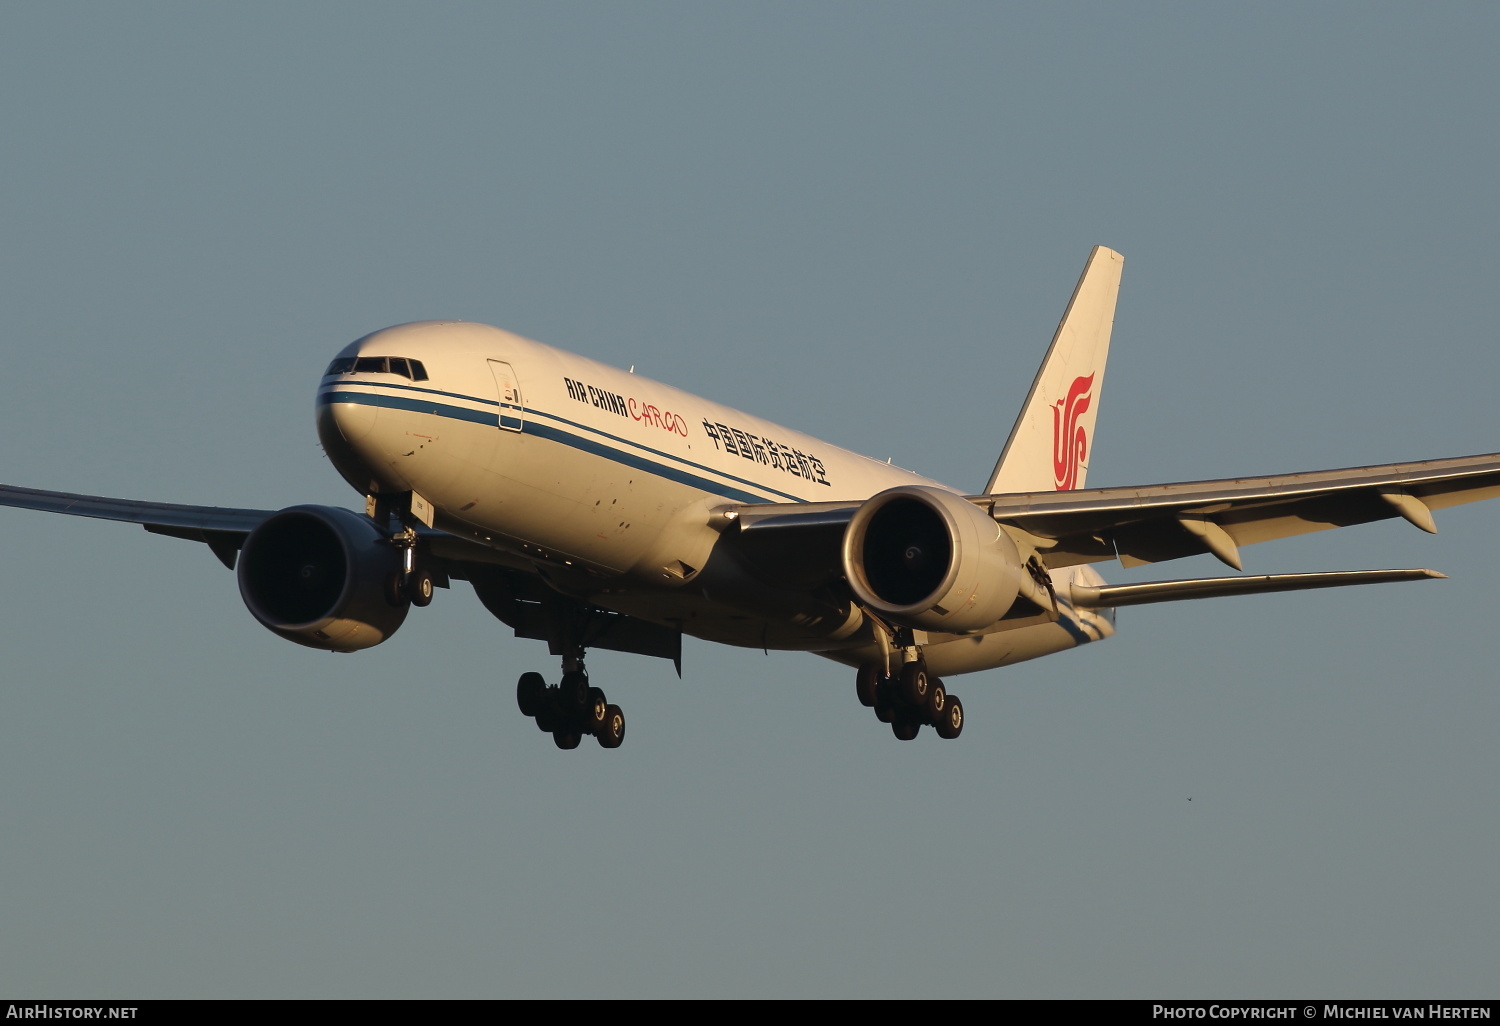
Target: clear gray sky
x=862 y=220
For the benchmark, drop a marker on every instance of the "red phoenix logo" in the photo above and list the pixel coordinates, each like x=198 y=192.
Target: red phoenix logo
x=1070 y=442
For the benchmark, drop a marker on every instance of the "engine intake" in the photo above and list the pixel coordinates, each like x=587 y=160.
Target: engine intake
x=318 y=575
x=929 y=559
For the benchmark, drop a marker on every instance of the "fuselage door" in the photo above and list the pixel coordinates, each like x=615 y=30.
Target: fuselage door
x=510 y=395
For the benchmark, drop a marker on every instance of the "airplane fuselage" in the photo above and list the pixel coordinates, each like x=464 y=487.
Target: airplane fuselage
x=606 y=483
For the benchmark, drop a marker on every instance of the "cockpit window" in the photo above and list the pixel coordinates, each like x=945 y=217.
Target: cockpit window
x=411 y=369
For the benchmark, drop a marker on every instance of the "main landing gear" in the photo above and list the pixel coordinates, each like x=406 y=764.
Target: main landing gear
x=910 y=699
x=571 y=709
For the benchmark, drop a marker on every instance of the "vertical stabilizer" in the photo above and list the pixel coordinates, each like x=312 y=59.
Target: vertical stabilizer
x=1050 y=446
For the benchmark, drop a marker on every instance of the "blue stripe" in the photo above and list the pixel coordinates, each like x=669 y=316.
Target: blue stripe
x=553 y=434
x=547 y=432
x=572 y=423
x=397 y=402
x=414 y=388
x=669 y=456
x=1075 y=630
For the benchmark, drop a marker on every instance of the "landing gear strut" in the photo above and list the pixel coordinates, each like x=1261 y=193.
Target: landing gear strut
x=571 y=709
x=411 y=583
x=911 y=699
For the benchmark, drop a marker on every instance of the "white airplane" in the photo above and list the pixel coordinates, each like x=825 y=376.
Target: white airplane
x=591 y=507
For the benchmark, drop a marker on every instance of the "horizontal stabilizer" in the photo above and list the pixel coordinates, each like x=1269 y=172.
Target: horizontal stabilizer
x=1115 y=595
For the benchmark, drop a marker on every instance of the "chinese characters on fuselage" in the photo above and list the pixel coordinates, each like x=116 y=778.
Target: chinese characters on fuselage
x=766 y=452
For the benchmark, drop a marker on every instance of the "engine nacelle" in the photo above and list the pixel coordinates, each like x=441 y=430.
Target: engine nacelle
x=319 y=576
x=928 y=559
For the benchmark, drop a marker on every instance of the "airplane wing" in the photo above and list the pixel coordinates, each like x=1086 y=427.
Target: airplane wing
x=1160 y=522
x=161 y=514
x=223 y=529
x=1168 y=521
x=504 y=585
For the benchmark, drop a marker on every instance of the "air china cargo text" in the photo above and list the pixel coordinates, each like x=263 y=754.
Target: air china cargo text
x=627 y=406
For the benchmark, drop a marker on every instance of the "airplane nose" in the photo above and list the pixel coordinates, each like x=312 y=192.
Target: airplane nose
x=347 y=431
x=352 y=421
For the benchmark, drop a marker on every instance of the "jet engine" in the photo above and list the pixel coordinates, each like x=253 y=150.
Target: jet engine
x=319 y=576
x=928 y=559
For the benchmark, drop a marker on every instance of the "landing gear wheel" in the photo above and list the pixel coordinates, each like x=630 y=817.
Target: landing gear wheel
x=419 y=588
x=548 y=718
x=867 y=684
x=566 y=739
x=885 y=712
x=915 y=684
x=395 y=589
x=595 y=710
x=574 y=691
x=905 y=728
x=611 y=733
x=937 y=701
x=952 y=723
x=531 y=693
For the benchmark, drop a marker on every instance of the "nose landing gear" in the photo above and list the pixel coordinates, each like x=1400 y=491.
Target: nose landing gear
x=413 y=586
x=412 y=582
